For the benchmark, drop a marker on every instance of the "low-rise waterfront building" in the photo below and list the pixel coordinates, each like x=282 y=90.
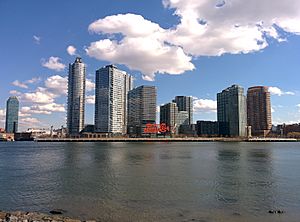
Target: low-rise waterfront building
x=208 y=128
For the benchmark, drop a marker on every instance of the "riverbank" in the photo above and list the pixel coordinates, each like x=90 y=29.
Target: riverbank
x=19 y=216
x=186 y=139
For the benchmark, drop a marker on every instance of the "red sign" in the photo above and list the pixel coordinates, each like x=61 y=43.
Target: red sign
x=156 y=128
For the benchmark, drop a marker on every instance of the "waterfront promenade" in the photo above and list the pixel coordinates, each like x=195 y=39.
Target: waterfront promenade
x=186 y=139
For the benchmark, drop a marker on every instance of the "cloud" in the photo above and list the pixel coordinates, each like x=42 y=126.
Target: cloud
x=231 y=27
x=149 y=53
x=54 y=64
x=57 y=84
x=24 y=85
x=15 y=92
x=71 y=50
x=90 y=85
x=44 y=108
x=205 y=28
x=90 y=99
x=29 y=121
x=272 y=110
x=2 y=116
x=37 y=39
x=41 y=96
x=20 y=84
x=205 y=105
x=157 y=109
x=23 y=114
x=278 y=92
x=33 y=80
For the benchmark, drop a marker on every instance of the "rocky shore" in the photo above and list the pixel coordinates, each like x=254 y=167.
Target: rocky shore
x=19 y=216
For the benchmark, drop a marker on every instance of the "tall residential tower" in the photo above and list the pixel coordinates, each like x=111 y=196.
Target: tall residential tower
x=112 y=86
x=141 y=109
x=185 y=103
x=169 y=116
x=76 y=97
x=259 y=110
x=12 y=115
x=232 y=112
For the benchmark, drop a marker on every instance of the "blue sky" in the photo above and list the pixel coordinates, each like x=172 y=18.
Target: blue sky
x=201 y=47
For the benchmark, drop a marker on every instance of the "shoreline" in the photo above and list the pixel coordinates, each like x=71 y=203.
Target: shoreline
x=16 y=216
x=188 y=139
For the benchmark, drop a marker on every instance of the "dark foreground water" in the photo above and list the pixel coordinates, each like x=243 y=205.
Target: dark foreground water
x=153 y=181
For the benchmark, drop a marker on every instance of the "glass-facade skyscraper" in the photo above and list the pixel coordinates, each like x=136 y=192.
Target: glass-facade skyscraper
x=12 y=115
x=112 y=86
x=141 y=109
x=169 y=116
x=185 y=103
x=76 y=97
x=232 y=112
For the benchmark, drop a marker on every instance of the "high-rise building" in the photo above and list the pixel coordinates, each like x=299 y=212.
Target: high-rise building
x=12 y=115
x=112 y=86
x=185 y=103
x=76 y=97
x=232 y=112
x=141 y=109
x=169 y=115
x=183 y=118
x=259 y=110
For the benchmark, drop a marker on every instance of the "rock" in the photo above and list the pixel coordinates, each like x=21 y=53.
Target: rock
x=2 y=215
x=236 y=214
x=13 y=218
x=55 y=212
x=47 y=218
x=276 y=211
x=71 y=220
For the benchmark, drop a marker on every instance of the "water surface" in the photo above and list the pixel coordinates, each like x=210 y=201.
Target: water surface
x=153 y=181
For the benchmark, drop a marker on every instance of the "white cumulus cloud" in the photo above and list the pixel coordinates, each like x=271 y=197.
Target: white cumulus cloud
x=205 y=28
x=33 y=80
x=90 y=85
x=29 y=121
x=205 y=105
x=57 y=84
x=43 y=108
x=20 y=84
x=90 y=99
x=41 y=96
x=54 y=64
x=2 y=116
x=142 y=48
x=279 y=92
x=71 y=50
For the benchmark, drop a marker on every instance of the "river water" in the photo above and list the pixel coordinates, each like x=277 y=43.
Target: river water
x=153 y=181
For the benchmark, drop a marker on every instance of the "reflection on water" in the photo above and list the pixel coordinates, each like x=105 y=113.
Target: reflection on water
x=153 y=181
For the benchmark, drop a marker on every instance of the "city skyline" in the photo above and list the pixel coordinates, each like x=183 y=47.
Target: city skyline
x=42 y=54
